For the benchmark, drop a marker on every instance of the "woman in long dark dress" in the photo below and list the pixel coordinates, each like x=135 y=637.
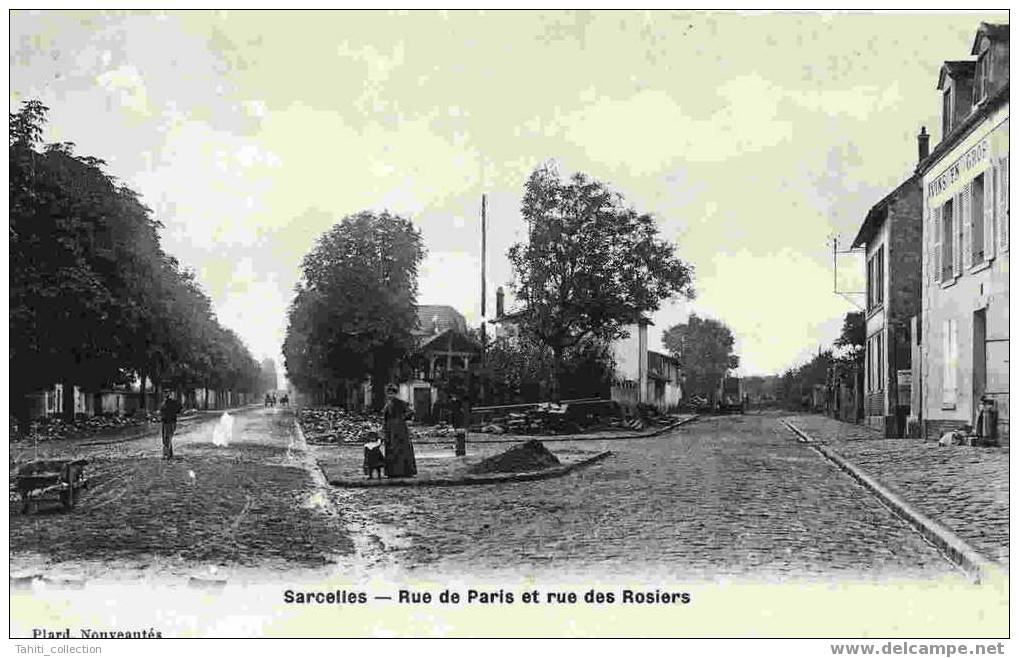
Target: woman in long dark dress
x=400 y=461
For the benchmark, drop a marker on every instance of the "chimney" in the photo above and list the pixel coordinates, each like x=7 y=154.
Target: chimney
x=500 y=296
x=923 y=141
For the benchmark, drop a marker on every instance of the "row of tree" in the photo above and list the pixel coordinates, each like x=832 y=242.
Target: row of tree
x=94 y=299
x=592 y=266
x=843 y=364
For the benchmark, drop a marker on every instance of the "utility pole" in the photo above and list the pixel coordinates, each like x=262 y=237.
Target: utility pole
x=484 y=236
x=484 y=320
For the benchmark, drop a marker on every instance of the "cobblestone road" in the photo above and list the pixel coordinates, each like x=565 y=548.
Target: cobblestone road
x=249 y=504
x=965 y=488
x=734 y=496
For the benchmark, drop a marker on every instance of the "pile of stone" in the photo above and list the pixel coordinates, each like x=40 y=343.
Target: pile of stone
x=442 y=430
x=526 y=457
x=324 y=425
x=543 y=419
x=54 y=428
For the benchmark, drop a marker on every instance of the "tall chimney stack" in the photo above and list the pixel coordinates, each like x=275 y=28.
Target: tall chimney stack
x=500 y=297
x=923 y=142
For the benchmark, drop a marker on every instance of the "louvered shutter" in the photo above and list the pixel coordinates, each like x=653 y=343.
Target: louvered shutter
x=1003 y=208
x=966 y=217
x=936 y=230
x=989 y=223
x=958 y=228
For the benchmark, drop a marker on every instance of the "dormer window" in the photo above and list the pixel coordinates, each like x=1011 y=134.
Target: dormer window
x=990 y=47
x=946 y=113
x=983 y=76
x=956 y=82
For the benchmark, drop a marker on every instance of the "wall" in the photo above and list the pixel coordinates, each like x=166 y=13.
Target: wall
x=626 y=352
x=875 y=402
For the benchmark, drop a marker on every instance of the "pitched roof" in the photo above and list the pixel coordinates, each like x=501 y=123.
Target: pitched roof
x=993 y=31
x=956 y=69
x=964 y=128
x=436 y=318
x=452 y=339
x=876 y=216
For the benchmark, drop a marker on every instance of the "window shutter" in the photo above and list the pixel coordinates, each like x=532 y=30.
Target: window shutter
x=936 y=251
x=990 y=181
x=966 y=215
x=958 y=228
x=1003 y=208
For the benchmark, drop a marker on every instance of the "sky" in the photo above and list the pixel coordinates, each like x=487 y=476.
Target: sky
x=752 y=137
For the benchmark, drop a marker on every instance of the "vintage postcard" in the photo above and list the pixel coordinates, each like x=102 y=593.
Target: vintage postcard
x=500 y=324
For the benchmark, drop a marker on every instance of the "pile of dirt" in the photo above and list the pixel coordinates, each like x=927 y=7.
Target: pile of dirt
x=529 y=456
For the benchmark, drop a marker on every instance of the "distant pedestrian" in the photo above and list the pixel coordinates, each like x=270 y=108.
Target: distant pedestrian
x=400 y=461
x=266 y=400
x=168 y=415
x=272 y=403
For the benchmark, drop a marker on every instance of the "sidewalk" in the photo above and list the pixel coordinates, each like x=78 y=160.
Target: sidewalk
x=963 y=488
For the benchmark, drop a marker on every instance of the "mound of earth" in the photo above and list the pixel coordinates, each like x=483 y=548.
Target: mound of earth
x=529 y=456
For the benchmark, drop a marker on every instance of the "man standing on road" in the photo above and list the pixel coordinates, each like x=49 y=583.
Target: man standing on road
x=168 y=414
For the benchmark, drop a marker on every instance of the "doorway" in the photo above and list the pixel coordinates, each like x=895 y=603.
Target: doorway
x=979 y=361
x=422 y=403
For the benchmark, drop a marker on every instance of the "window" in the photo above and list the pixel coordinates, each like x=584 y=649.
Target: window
x=875 y=359
x=947 y=240
x=946 y=113
x=980 y=83
x=977 y=219
x=876 y=279
x=880 y=362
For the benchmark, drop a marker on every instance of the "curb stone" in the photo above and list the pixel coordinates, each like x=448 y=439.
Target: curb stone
x=469 y=480
x=976 y=566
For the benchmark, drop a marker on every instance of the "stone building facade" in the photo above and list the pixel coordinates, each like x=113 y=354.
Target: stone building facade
x=965 y=336
x=891 y=236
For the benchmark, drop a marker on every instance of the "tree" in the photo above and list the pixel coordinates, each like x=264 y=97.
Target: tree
x=796 y=384
x=354 y=310
x=94 y=300
x=853 y=339
x=704 y=349
x=591 y=265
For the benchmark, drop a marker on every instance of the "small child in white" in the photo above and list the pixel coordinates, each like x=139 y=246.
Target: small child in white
x=374 y=460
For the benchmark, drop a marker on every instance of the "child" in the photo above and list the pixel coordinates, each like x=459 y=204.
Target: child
x=374 y=460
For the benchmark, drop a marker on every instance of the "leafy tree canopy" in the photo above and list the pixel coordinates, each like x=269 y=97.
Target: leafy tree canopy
x=704 y=349
x=591 y=266
x=354 y=310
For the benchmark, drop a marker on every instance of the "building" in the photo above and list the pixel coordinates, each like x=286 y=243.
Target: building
x=664 y=387
x=891 y=235
x=641 y=376
x=963 y=342
x=443 y=347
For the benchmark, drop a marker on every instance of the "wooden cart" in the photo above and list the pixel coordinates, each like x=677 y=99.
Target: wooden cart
x=51 y=479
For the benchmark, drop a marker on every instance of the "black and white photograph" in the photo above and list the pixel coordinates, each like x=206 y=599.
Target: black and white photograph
x=480 y=323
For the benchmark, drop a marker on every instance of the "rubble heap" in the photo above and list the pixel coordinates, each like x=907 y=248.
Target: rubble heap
x=54 y=428
x=548 y=419
x=529 y=456
x=337 y=425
